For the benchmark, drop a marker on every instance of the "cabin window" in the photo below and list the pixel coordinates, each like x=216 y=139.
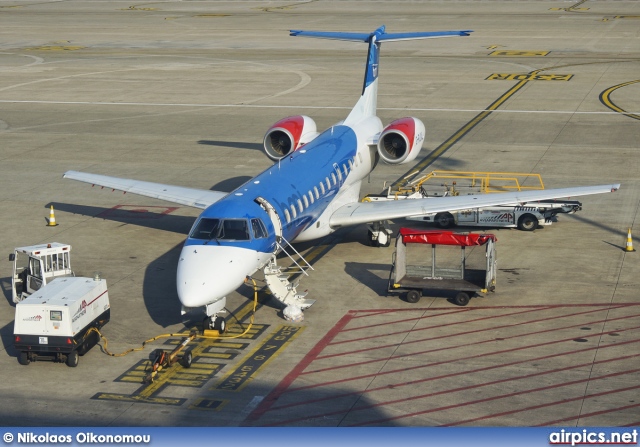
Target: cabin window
x=293 y=211
x=328 y=183
x=300 y=205
x=306 y=201
x=360 y=157
x=346 y=171
x=339 y=174
x=351 y=165
x=287 y=215
x=333 y=177
x=259 y=230
x=315 y=189
x=310 y=196
x=322 y=188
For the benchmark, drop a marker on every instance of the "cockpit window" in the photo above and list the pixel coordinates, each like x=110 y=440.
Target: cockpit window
x=206 y=229
x=226 y=229
x=259 y=230
x=235 y=229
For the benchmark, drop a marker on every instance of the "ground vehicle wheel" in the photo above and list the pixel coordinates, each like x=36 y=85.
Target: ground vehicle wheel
x=461 y=299
x=413 y=296
x=444 y=220
x=186 y=359
x=220 y=325
x=72 y=359
x=528 y=222
x=23 y=358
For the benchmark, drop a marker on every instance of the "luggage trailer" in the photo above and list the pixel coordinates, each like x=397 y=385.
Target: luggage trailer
x=427 y=274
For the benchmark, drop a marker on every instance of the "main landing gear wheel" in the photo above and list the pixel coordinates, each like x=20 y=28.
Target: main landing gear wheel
x=382 y=239
x=413 y=296
x=462 y=299
x=216 y=323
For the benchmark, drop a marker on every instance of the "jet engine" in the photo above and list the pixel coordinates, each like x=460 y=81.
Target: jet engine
x=288 y=135
x=401 y=141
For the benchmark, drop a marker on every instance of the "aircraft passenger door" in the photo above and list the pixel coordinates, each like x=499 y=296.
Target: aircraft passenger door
x=273 y=215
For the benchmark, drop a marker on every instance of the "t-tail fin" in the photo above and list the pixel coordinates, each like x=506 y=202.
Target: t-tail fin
x=366 y=106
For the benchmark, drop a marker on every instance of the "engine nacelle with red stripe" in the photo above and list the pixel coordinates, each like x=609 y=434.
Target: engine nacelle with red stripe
x=288 y=135
x=400 y=142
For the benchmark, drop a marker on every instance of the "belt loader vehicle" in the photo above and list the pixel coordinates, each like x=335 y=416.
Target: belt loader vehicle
x=526 y=217
x=55 y=322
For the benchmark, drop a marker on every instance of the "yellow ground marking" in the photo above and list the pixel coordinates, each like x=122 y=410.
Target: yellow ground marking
x=528 y=77
x=605 y=98
x=56 y=48
x=136 y=398
x=238 y=377
x=138 y=8
x=461 y=132
x=569 y=9
x=517 y=53
x=208 y=404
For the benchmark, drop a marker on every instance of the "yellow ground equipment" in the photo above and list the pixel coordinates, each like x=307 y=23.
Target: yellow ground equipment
x=164 y=359
x=453 y=183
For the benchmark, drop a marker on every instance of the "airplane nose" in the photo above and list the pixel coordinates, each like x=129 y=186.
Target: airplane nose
x=209 y=272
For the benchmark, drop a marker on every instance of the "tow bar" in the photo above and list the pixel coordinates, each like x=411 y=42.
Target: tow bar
x=164 y=359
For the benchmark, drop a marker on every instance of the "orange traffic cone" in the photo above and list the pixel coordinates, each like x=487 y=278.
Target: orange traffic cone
x=52 y=218
x=629 y=246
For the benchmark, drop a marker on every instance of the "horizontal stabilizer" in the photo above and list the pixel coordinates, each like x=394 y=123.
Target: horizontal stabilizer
x=380 y=36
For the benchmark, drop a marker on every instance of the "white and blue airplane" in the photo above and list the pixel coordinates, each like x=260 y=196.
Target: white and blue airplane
x=311 y=190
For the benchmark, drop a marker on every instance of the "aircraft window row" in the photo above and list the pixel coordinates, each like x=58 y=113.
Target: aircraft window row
x=226 y=229
x=310 y=200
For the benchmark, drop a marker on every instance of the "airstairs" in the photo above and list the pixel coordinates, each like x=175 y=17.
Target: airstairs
x=277 y=277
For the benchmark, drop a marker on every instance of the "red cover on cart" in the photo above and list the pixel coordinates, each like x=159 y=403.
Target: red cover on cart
x=410 y=236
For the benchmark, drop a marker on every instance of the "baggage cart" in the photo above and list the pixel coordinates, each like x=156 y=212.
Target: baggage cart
x=429 y=272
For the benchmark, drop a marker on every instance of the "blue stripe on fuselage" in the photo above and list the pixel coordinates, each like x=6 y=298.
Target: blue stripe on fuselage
x=286 y=182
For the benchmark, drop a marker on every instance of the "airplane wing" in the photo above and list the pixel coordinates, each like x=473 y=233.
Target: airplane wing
x=197 y=198
x=365 y=212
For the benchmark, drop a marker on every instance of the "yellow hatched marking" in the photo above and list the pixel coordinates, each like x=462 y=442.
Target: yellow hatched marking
x=131 y=378
x=185 y=382
x=216 y=355
x=208 y=404
x=224 y=345
x=137 y=398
